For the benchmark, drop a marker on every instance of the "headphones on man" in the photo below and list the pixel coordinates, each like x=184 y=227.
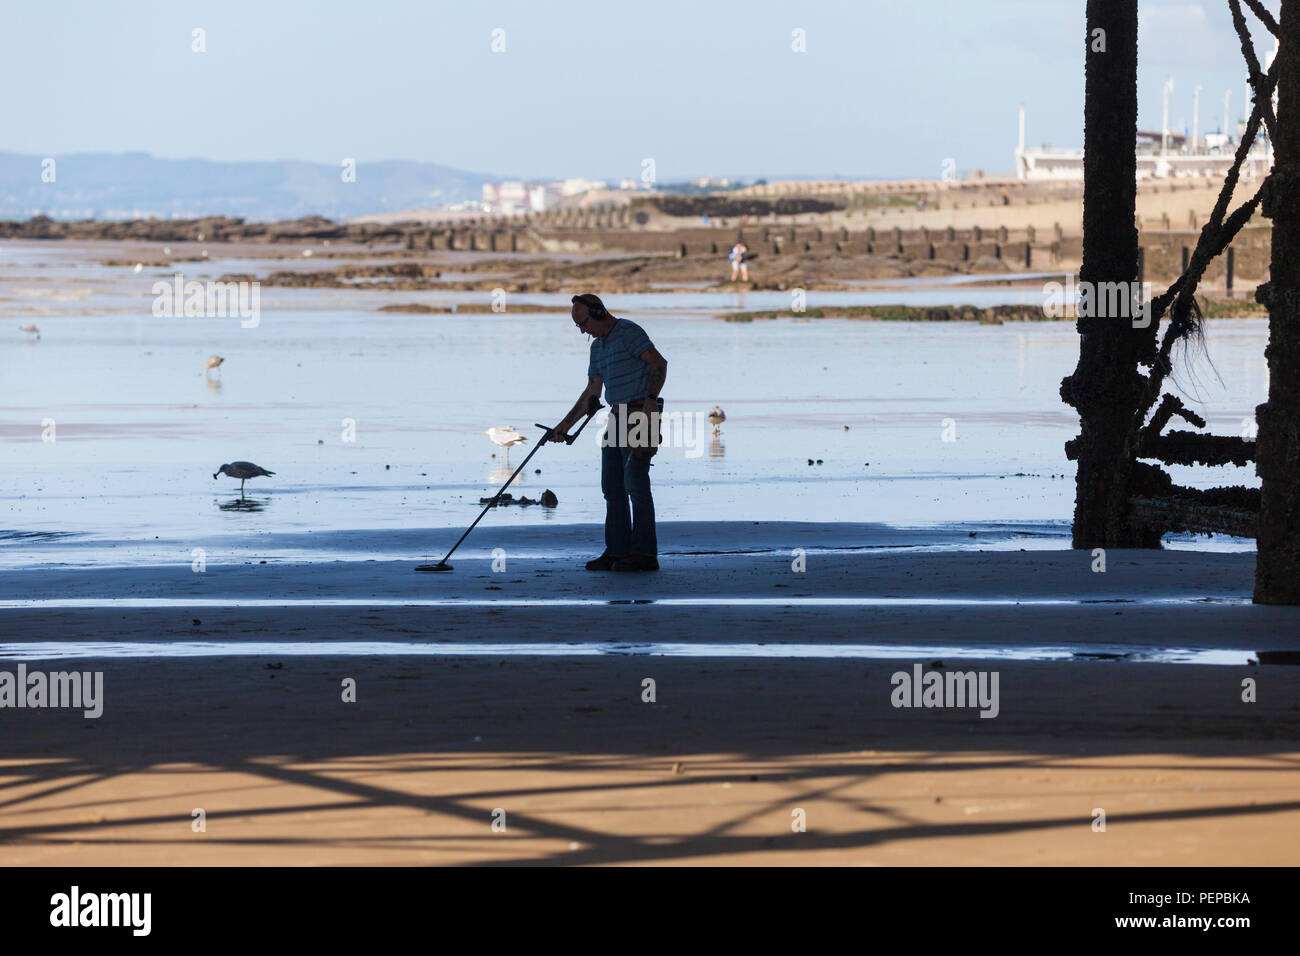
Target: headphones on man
x=595 y=308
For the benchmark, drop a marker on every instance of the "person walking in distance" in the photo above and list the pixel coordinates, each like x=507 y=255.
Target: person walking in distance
x=626 y=364
x=737 y=257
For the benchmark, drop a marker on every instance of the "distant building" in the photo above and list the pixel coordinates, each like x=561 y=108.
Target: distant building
x=515 y=196
x=541 y=198
x=576 y=187
x=505 y=198
x=1163 y=155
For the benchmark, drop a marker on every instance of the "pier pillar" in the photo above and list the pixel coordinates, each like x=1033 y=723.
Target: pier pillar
x=1106 y=385
x=1277 y=562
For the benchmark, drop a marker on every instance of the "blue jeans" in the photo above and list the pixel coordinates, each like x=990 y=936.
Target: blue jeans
x=622 y=476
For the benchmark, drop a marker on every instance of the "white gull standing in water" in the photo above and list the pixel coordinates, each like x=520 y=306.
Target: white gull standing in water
x=505 y=436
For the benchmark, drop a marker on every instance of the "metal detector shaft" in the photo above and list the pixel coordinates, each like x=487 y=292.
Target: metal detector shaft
x=592 y=407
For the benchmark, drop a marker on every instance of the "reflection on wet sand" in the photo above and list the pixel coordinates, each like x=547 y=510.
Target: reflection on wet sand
x=244 y=504
x=64 y=650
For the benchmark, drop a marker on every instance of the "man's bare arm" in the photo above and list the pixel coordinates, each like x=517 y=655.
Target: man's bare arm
x=658 y=371
x=579 y=408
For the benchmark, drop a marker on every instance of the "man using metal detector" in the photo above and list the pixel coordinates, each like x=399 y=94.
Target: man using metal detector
x=625 y=362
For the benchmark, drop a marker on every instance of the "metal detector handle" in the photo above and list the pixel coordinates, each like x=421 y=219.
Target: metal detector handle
x=567 y=439
x=550 y=434
x=593 y=406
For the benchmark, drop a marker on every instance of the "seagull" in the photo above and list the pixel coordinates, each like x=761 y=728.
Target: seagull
x=243 y=470
x=716 y=417
x=30 y=330
x=505 y=436
x=214 y=361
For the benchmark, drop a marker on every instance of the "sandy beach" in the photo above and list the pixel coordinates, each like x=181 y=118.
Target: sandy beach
x=511 y=696
x=899 y=506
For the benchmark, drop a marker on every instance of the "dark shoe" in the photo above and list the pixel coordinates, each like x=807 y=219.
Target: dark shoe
x=604 y=563
x=637 y=562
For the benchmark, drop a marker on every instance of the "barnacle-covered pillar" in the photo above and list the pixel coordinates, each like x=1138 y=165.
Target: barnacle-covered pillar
x=1277 y=569
x=1106 y=384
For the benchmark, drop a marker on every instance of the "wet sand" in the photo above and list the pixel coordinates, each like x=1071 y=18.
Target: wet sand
x=711 y=771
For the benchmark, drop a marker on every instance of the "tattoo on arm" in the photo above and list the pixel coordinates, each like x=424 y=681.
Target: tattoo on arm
x=574 y=414
x=658 y=374
x=579 y=408
x=658 y=370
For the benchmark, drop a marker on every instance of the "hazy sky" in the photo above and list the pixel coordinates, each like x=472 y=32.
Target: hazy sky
x=885 y=87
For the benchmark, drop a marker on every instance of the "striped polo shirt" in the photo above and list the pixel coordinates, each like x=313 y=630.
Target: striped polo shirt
x=616 y=359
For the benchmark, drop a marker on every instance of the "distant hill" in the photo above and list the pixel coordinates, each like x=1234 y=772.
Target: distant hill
x=138 y=185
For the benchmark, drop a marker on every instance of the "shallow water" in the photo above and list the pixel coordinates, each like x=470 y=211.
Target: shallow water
x=790 y=602
x=375 y=420
x=65 y=650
